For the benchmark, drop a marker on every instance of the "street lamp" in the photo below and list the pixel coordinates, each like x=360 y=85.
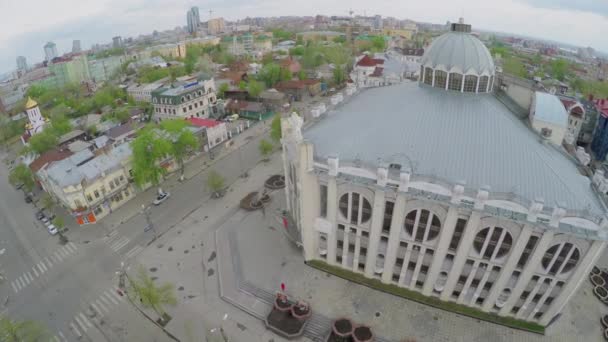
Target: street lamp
x=221 y=329
x=149 y=225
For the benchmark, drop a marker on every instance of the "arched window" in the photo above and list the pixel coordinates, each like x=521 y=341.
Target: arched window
x=470 y=83
x=428 y=76
x=183 y=99
x=455 y=82
x=351 y=204
x=492 y=242
x=483 y=84
x=560 y=258
x=440 y=78
x=422 y=225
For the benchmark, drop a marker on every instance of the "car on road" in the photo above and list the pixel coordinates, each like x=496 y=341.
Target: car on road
x=28 y=199
x=19 y=186
x=161 y=198
x=40 y=215
x=52 y=229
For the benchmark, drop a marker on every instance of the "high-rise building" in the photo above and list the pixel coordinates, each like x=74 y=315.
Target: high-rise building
x=117 y=42
x=194 y=20
x=378 y=22
x=50 y=51
x=215 y=26
x=76 y=48
x=21 y=63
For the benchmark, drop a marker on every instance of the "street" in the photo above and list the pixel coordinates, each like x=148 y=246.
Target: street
x=63 y=287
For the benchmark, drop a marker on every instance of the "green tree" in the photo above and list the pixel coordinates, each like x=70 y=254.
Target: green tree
x=275 y=128
x=60 y=124
x=36 y=91
x=254 y=88
x=265 y=148
x=204 y=64
x=9 y=128
x=301 y=75
x=182 y=141
x=559 y=69
x=242 y=85
x=121 y=115
x=339 y=74
x=378 y=43
x=222 y=90
x=267 y=58
x=216 y=183
x=22 y=174
x=47 y=202
x=59 y=223
x=148 y=150
x=285 y=74
x=151 y=295
x=22 y=331
x=270 y=74
x=340 y=39
x=514 y=66
x=42 y=142
x=280 y=34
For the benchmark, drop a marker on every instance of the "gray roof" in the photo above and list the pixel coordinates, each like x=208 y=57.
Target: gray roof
x=70 y=135
x=549 y=108
x=454 y=136
x=460 y=50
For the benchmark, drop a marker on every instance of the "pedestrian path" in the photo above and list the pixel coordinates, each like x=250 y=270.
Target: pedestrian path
x=42 y=267
x=134 y=251
x=115 y=241
x=60 y=337
x=97 y=307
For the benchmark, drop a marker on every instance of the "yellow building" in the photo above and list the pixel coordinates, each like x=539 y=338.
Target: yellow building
x=406 y=33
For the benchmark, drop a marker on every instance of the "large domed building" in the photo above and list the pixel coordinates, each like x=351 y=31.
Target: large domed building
x=437 y=187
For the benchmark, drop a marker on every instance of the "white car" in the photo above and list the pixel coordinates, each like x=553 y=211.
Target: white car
x=161 y=198
x=52 y=229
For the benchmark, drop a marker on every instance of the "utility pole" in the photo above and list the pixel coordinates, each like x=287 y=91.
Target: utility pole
x=149 y=225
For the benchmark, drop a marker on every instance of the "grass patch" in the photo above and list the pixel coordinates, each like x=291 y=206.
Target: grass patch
x=432 y=301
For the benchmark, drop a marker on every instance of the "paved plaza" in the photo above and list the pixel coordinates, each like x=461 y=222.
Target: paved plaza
x=224 y=260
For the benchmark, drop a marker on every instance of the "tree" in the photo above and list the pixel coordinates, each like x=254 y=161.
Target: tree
x=216 y=183
x=222 y=90
x=42 y=142
x=182 y=140
x=60 y=124
x=242 y=85
x=59 y=223
x=265 y=148
x=204 y=64
x=559 y=68
x=47 y=202
x=121 y=115
x=150 y=295
x=22 y=331
x=148 y=149
x=254 y=88
x=285 y=74
x=339 y=75
x=22 y=174
x=378 y=43
x=514 y=66
x=275 y=128
x=270 y=74
x=301 y=75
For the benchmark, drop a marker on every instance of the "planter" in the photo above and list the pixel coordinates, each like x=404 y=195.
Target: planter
x=341 y=330
x=281 y=303
x=597 y=280
x=275 y=182
x=301 y=311
x=363 y=333
x=164 y=320
x=265 y=199
x=604 y=321
x=606 y=334
x=600 y=293
x=251 y=202
x=595 y=271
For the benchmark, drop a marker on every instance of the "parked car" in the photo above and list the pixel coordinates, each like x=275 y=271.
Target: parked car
x=40 y=215
x=19 y=186
x=52 y=229
x=161 y=198
x=28 y=199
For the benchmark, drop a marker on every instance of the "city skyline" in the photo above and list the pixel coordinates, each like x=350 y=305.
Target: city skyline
x=66 y=20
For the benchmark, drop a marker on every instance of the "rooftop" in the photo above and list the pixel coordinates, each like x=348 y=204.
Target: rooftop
x=453 y=136
x=49 y=157
x=549 y=108
x=203 y=122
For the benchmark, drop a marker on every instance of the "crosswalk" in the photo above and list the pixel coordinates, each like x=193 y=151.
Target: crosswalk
x=134 y=251
x=60 y=337
x=43 y=266
x=116 y=242
x=100 y=306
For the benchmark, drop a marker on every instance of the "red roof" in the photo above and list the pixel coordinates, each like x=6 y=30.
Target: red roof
x=198 y=122
x=377 y=72
x=367 y=61
x=49 y=157
x=296 y=84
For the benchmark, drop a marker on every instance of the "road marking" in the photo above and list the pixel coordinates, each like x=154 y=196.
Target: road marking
x=76 y=331
x=57 y=257
x=134 y=251
x=103 y=307
x=26 y=281
x=18 y=283
x=21 y=282
x=112 y=233
x=62 y=336
x=96 y=308
x=104 y=300
x=30 y=275
x=111 y=298
x=85 y=319
x=73 y=245
x=63 y=252
x=48 y=261
x=82 y=325
x=14 y=286
x=42 y=267
x=70 y=248
x=35 y=272
x=123 y=241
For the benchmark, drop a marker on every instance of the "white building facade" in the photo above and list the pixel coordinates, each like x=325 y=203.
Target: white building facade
x=396 y=215
x=196 y=99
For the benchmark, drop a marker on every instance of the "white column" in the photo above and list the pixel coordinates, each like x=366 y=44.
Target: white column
x=524 y=307
x=308 y=202
x=345 y=243
x=421 y=253
x=579 y=275
x=482 y=283
x=447 y=80
x=462 y=83
x=461 y=254
x=332 y=204
x=447 y=231
x=374 y=235
x=357 y=251
x=393 y=238
x=433 y=80
x=507 y=270
x=541 y=302
x=406 y=261
x=467 y=283
x=528 y=271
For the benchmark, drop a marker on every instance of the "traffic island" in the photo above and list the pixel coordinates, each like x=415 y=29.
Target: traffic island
x=287 y=319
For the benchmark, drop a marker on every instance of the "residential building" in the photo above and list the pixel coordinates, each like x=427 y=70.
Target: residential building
x=292 y=65
x=193 y=20
x=298 y=90
x=599 y=145
x=549 y=117
x=121 y=134
x=21 y=63
x=248 y=109
x=143 y=92
x=194 y=99
x=10 y=95
x=272 y=99
x=70 y=137
x=445 y=192
x=214 y=132
x=90 y=186
x=247 y=44
x=411 y=57
x=70 y=70
x=576 y=118
x=76 y=48
x=172 y=50
x=50 y=51
x=405 y=32
x=317 y=36
x=117 y=42
x=215 y=26
x=103 y=69
x=203 y=41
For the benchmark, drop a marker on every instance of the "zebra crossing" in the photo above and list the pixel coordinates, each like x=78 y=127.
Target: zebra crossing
x=43 y=266
x=116 y=242
x=100 y=305
x=134 y=251
x=60 y=337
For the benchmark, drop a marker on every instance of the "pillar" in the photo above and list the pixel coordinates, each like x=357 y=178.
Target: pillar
x=375 y=231
x=393 y=238
x=447 y=230
x=332 y=206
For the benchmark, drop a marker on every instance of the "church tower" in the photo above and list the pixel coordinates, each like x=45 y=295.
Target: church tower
x=36 y=120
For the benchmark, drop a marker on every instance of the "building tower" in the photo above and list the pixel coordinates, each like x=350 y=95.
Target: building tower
x=50 y=51
x=21 y=63
x=36 y=121
x=76 y=48
x=193 y=19
x=117 y=42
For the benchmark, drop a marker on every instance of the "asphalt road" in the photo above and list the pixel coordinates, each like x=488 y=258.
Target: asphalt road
x=56 y=285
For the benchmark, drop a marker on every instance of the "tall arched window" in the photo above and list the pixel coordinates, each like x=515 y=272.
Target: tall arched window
x=492 y=242
x=422 y=225
x=470 y=83
x=560 y=258
x=428 y=76
x=440 y=78
x=483 y=84
x=455 y=82
x=352 y=204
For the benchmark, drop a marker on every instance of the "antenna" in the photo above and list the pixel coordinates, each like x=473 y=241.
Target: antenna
x=210 y=14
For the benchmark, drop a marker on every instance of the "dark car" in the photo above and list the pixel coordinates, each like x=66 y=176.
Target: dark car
x=40 y=215
x=28 y=199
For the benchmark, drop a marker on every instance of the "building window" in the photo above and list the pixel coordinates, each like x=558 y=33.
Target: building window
x=458 y=230
x=111 y=185
x=78 y=203
x=89 y=198
x=483 y=84
x=357 y=204
x=440 y=78
x=184 y=109
x=496 y=236
x=560 y=258
x=455 y=82
x=428 y=76
x=527 y=251
x=470 y=83
x=190 y=107
x=427 y=228
x=323 y=201
x=388 y=216
x=96 y=193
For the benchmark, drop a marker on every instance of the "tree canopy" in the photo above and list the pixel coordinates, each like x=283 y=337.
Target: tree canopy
x=215 y=182
x=182 y=140
x=272 y=73
x=560 y=68
x=153 y=296
x=254 y=88
x=42 y=142
x=275 y=128
x=148 y=149
x=265 y=147
x=22 y=331
x=22 y=174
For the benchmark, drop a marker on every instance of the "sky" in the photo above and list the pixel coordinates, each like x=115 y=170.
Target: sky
x=26 y=25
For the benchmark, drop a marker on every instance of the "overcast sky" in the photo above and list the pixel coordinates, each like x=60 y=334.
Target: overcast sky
x=26 y=25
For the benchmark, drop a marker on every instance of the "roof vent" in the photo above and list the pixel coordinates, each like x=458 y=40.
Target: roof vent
x=460 y=26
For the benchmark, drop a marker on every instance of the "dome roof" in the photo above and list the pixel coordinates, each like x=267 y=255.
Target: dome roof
x=460 y=52
x=30 y=103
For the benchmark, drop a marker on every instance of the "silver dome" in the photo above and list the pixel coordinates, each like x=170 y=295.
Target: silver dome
x=459 y=52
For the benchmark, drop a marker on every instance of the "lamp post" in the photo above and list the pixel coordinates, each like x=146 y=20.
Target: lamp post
x=221 y=329
x=149 y=224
